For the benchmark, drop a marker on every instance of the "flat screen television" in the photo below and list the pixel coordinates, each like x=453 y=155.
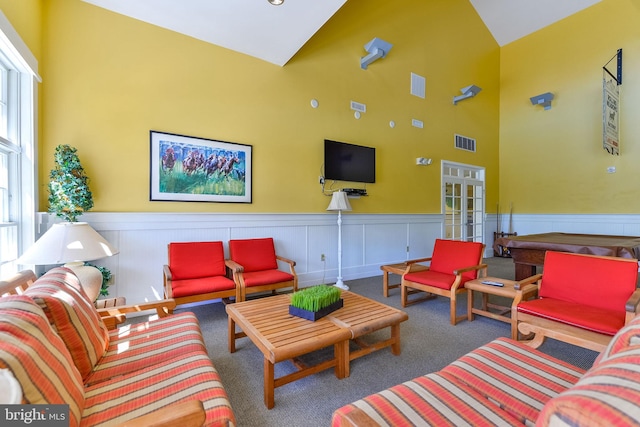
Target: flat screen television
x=349 y=162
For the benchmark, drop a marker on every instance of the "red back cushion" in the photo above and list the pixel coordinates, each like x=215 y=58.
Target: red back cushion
x=584 y=279
x=450 y=255
x=192 y=260
x=254 y=254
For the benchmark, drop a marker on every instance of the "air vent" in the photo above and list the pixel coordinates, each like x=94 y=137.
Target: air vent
x=358 y=107
x=465 y=143
x=418 y=85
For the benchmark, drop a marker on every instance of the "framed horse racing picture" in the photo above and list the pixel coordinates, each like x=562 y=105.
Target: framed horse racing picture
x=189 y=169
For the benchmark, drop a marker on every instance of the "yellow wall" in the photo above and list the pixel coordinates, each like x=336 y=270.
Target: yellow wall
x=109 y=80
x=26 y=17
x=552 y=161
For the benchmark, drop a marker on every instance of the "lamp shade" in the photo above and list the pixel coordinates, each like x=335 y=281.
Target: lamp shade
x=339 y=202
x=67 y=242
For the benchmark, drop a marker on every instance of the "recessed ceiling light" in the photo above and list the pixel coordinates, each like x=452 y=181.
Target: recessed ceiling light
x=276 y=2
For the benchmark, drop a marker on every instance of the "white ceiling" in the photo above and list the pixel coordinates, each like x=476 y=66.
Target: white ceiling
x=275 y=33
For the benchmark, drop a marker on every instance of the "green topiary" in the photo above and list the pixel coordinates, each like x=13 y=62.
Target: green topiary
x=315 y=298
x=69 y=193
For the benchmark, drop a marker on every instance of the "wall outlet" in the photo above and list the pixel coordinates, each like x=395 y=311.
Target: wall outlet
x=322 y=257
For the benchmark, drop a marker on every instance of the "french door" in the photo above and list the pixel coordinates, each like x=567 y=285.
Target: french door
x=463 y=202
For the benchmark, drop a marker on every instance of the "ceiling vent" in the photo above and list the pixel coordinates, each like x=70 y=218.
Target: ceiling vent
x=465 y=143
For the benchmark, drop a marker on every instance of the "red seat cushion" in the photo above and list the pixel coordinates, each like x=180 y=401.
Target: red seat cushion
x=258 y=278
x=605 y=283
x=450 y=255
x=588 y=317
x=431 y=278
x=254 y=254
x=202 y=285
x=191 y=260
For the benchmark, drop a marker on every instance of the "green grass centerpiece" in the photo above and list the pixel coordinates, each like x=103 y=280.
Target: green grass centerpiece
x=315 y=302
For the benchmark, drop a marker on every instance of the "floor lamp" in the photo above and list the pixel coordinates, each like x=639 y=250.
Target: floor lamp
x=339 y=202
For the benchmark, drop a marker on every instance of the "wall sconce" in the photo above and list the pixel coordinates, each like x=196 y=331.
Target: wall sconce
x=467 y=92
x=421 y=161
x=376 y=48
x=544 y=100
x=276 y=2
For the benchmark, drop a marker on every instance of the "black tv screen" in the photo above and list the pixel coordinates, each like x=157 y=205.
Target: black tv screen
x=349 y=162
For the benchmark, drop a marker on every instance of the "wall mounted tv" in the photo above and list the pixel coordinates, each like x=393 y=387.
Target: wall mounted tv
x=349 y=162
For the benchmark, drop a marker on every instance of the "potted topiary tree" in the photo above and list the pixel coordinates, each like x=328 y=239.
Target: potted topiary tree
x=70 y=197
x=69 y=193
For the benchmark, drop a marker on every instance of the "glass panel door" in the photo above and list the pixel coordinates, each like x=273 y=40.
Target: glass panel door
x=463 y=202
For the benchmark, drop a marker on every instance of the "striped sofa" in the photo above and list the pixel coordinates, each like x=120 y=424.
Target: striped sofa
x=505 y=383
x=158 y=372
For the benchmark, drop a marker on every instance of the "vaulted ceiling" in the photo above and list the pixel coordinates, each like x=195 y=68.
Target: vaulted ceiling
x=275 y=33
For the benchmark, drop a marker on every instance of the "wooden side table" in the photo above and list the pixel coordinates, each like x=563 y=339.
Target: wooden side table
x=508 y=291
x=398 y=269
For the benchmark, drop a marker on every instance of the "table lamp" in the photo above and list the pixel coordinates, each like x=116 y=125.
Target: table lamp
x=339 y=202
x=71 y=244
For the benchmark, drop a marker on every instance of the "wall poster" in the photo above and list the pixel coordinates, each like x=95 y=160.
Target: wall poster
x=611 y=82
x=190 y=169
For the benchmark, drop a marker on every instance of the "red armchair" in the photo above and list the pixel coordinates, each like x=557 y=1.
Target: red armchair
x=452 y=264
x=197 y=272
x=255 y=267
x=582 y=300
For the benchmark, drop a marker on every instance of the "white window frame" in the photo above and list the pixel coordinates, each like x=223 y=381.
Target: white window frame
x=20 y=142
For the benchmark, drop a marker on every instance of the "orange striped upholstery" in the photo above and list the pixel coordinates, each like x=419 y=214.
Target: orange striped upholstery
x=626 y=337
x=37 y=357
x=146 y=367
x=607 y=395
x=178 y=379
x=516 y=377
x=501 y=383
x=73 y=316
x=432 y=400
x=135 y=347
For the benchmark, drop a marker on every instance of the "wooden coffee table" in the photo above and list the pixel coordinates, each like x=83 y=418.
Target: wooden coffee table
x=280 y=336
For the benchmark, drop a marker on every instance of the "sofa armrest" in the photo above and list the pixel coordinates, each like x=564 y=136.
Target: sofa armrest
x=480 y=267
x=291 y=262
x=631 y=306
x=233 y=266
x=529 y=280
x=17 y=283
x=417 y=260
x=162 y=307
x=184 y=414
x=167 y=278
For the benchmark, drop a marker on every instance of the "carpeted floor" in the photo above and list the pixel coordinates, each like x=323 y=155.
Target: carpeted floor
x=429 y=342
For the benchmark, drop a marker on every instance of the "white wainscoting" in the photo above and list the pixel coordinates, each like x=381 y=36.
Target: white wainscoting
x=368 y=240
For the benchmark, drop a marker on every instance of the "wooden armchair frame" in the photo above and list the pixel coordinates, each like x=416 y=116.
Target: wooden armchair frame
x=535 y=329
x=408 y=287
x=238 y=270
x=223 y=294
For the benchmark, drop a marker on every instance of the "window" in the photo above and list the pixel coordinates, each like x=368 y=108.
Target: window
x=18 y=91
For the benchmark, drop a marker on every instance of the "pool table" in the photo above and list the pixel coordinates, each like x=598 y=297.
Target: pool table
x=528 y=251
